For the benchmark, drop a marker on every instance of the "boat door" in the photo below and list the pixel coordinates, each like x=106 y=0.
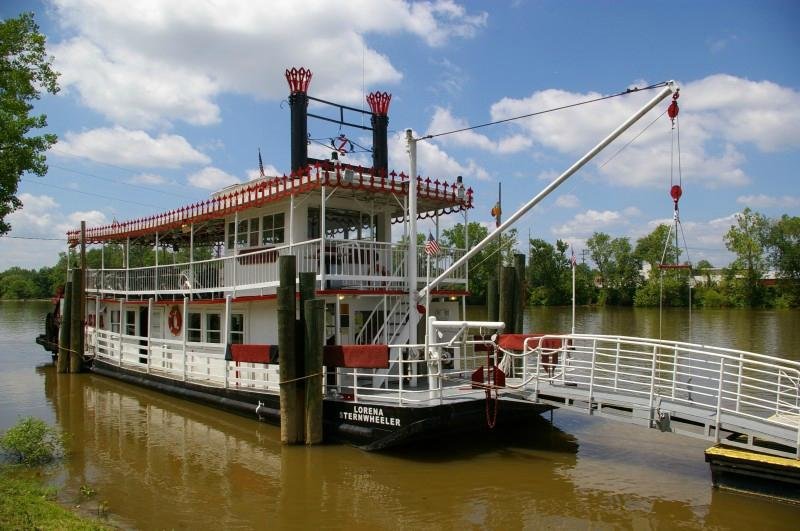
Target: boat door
x=143 y=329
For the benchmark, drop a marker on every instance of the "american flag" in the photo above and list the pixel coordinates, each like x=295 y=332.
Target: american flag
x=260 y=164
x=574 y=260
x=432 y=246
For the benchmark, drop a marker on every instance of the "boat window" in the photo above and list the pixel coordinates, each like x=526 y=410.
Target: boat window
x=213 y=327
x=237 y=329
x=241 y=235
x=194 y=328
x=272 y=229
x=253 y=238
x=130 y=322
x=342 y=224
x=115 y=321
x=231 y=234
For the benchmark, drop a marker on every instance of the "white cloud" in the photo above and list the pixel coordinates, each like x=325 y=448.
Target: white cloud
x=434 y=162
x=269 y=171
x=148 y=62
x=443 y=121
x=148 y=178
x=41 y=217
x=586 y=223
x=568 y=201
x=767 y=201
x=129 y=148
x=211 y=178
x=720 y=114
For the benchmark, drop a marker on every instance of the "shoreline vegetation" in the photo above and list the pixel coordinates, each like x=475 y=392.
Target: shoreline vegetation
x=765 y=272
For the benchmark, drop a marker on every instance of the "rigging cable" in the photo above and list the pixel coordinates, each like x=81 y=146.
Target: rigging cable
x=537 y=113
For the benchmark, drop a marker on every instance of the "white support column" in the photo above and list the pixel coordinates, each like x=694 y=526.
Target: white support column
x=185 y=333
x=291 y=222
x=102 y=268
x=322 y=256
x=121 y=328
x=191 y=260
x=235 y=247
x=338 y=324
x=466 y=265
x=155 y=280
x=127 y=266
x=226 y=333
x=412 y=237
x=149 y=334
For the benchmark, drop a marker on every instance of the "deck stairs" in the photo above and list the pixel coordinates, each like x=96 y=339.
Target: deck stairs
x=387 y=324
x=732 y=397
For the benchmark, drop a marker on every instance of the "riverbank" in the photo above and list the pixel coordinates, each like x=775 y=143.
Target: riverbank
x=26 y=503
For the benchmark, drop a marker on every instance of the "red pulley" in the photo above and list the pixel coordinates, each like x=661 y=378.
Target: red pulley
x=675 y=192
x=672 y=110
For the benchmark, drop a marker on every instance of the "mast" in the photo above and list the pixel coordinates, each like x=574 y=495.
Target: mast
x=666 y=91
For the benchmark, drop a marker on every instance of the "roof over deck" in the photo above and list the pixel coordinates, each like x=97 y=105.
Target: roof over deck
x=433 y=198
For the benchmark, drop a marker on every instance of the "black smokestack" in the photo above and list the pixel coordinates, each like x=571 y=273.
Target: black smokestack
x=299 y=80
x=379 y=105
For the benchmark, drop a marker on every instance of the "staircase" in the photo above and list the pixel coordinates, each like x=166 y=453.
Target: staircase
x=387 y=324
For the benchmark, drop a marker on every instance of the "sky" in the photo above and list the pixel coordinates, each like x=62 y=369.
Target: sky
x=163 y=102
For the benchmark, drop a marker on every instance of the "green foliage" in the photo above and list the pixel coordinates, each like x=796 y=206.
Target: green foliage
x=32 y=442
x=672 y=290
x=25 y=71
x=654 y=247
x=27 y=504
x=783 y=243
x=618 y=268
x=484 y=264
x=747 y=239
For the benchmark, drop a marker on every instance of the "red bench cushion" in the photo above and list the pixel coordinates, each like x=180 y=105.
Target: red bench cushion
x=357 y=356
x=254 y=353
x=517 y=341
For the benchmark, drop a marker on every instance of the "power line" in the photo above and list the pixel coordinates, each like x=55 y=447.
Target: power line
x=561 y=108
x=93 y=194
x=114 y=181
x=33 y=238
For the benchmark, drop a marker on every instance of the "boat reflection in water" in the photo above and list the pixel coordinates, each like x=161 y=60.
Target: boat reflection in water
x=160 y=462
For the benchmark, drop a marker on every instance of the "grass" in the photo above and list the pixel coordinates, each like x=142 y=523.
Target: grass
x=27 y=504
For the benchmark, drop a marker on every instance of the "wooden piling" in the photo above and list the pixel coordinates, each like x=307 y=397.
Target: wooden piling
x=62 y=365
x=520 y=291
x=76 y=322
x=492 y=300
x=507 y=282
x=307 y=283
x=291 y=424
x=314 y=311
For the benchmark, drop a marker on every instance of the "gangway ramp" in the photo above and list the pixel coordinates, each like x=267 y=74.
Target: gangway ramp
x=732 y=397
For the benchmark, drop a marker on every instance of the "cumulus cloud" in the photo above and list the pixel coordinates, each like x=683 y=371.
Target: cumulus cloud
x=41 y=218
x=434 y=162
x=147 y=178
x=568 y=201
x=767 y=201
x=145 y=63
x=134 y=148
x=443 y=121
x=586 y=223
x=211 y=178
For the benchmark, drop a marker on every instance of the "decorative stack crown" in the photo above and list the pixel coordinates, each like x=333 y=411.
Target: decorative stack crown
x=379 y=102
x=298 y=79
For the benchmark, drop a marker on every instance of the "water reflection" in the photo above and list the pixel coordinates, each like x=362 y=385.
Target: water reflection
x=165 y=463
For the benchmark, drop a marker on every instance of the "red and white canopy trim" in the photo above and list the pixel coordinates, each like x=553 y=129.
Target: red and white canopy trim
x=434 y=198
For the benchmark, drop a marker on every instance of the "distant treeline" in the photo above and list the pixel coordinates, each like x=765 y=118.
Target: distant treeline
x=765 y=272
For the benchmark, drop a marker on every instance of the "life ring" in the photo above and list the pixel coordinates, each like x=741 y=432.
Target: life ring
x=175 y=321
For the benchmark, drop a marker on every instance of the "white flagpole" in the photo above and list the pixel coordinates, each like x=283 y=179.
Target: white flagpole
x=572 y=263
x=427 y=301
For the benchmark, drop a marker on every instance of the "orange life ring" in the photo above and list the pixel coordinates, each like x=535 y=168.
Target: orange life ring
x=175 y=321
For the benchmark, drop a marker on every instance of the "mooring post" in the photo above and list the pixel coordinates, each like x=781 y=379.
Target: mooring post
x=314 y=311
x=287 y=315
x=64 y=330
x=307 y=283
x=76 y=323
x=492 y=300
x=507 y=282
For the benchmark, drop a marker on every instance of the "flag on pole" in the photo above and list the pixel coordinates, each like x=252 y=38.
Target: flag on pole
x=260 y=164
x=574 y=260
x=432 y=246
x=496 y=213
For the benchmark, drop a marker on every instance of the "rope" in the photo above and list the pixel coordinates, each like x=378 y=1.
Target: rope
x=561 y=108
x=301 y=378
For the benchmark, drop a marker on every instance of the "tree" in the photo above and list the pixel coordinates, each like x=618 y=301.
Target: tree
x=619 y=268
x=654 y=248
x=548 y=273
x=784 y=254
x=25 y=70
x=747 y=239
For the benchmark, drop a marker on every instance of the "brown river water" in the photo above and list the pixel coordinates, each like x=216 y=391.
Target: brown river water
x=164 y=463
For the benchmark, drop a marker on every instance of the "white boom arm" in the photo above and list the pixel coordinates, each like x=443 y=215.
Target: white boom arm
x=666 y=91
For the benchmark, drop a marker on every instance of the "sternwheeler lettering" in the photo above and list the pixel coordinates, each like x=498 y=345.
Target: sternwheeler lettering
x=372 y=415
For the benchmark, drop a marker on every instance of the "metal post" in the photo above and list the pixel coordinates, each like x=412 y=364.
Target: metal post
x=739 y=381
x=466 y=266
x=338 y=324
x=719 y=399
x=674 y=369
x=235 y=249
x=155 y=280
x=573 y=295
x=121 y=326
x=652 y=388
x=149 y=333
x=102 y=267
x=591 y=374
x=185 y=333
x=226 y=333
x=412 y=237
x=616 y=367
x=322 y=257
x=385 y=323
x=669 y=89
x=127 y=268
x=191 y=260
x=291 y=220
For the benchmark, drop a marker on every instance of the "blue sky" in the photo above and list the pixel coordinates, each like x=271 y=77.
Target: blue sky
x=163 y=102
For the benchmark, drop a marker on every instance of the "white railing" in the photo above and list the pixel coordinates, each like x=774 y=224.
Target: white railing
x=350 y=264
x=440 y=262
x=736 y=390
